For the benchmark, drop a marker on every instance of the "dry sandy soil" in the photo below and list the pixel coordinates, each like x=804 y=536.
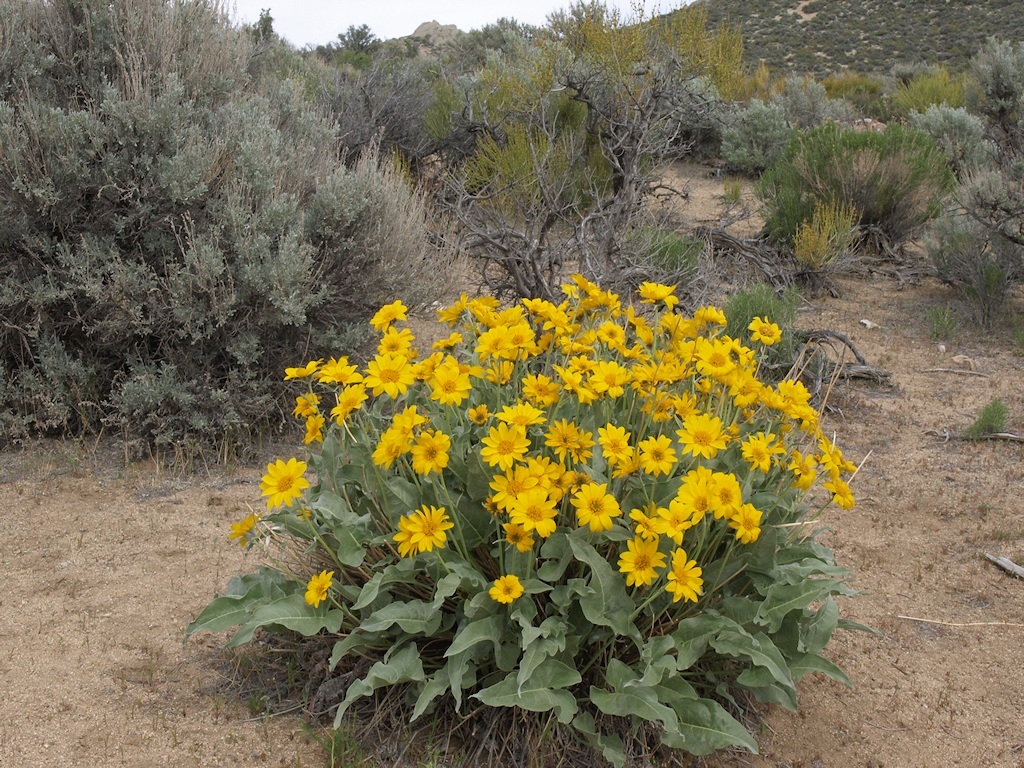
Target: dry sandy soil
x=106 y=562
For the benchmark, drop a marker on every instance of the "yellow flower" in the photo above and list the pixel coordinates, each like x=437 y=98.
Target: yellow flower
x=595 y=507
x=696 y=496
x=747 y=523
x=394 y=442
x=283 y=482
x=803 y=469
x=504 y=446
x=506 y=589
x=540 y=390
x=449 y=384
x=389 y=374
x=684 y=578
x=245 y=531
x=306 y=405
x=314 y=430
x=614 y=442
x=702 y=435
x=495 y=342
x=640 y=561
x=518 y=537
x=450 y=315
x=758 y=450
x=569 y=440
x=317 y=588
x=453 y=340
x=406 y=422
x=424 y=529
x=388 y=314
x=534 y=510
x=338 y=372
x=396 y=341
x=709 y=316
x=302 y=373
x=507 y=487
x=430 y=452
x=478 y=414
x=350 y=400
x=841 y=493
x=609 y=378
x=651 y=293
x=521 y=415
x=645 y=521
x=657 y=456
x=714 y=358
x=764 y=331
x=500 y=372
x=726 y=494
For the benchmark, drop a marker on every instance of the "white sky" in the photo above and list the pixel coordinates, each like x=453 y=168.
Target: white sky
x=316 y=22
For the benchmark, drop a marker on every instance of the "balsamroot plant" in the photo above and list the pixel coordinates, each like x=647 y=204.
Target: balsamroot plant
x=591 y=512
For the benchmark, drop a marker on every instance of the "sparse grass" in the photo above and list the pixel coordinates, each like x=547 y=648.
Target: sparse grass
x=340 y=745
x=732 y=191
x=990 y=421
x=942 y=322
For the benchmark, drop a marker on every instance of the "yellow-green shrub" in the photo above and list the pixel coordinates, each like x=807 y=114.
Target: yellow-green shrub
x=588 y=511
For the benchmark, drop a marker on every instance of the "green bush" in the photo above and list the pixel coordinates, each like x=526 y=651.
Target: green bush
x=991 y=421
x=864 y=93
x=896 y=180
x=936 y=87
x=169 y=236
x=610 y=551
x=755 y=137
x=762 y=300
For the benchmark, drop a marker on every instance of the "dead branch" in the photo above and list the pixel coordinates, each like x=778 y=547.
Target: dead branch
x=758 y=253
x=959 y=371
x=1006 y=564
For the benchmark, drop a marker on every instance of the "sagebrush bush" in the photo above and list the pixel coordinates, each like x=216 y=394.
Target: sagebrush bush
x=896 y=181
x=171 y=235
x=755 y=137
x=977 y=261
x=580 y=516
x=960 y=134
x=806 y=103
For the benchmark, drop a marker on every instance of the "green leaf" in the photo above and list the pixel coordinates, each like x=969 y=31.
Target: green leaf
x=555 y=554
x=611 y=746
x=780 y=599
x=404 y=666
x=490 y=629
x=350 y=551
x=542 y=693
x=704 y=726
x=692 y=635
x=757 y=649
x=812 y=662
x=401 y=497
x=635 y=701
x=761 y=682
x=817 y=631
x=243 y=595
x=478 y=485
x=608 y=604
x=415 y=617
x=294 y=613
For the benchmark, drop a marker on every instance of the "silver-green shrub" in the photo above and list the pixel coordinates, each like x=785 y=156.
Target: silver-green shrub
x=170 y=234
x=756 y=136
x=959 y=134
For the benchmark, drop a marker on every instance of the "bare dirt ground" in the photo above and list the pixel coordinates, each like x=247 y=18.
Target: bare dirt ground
x=105 y=563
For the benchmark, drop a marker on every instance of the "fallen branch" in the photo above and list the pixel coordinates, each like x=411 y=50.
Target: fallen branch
x=959 y=371
x=961 y=624
x=946 y=436
x=1006 y=564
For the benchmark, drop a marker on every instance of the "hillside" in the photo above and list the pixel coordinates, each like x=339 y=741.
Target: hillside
x=820 y=36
